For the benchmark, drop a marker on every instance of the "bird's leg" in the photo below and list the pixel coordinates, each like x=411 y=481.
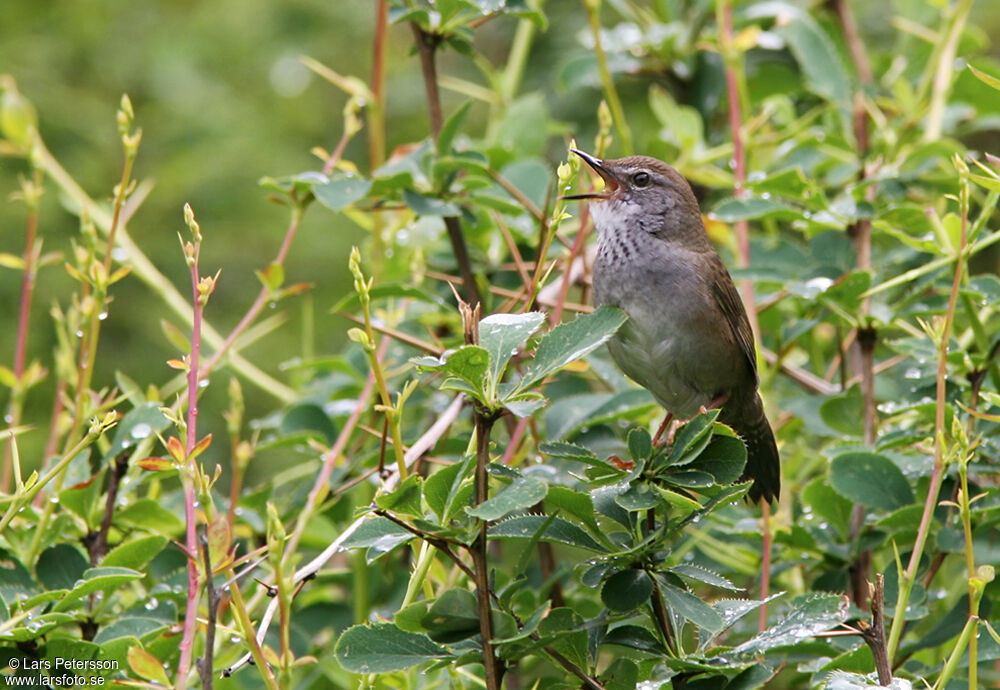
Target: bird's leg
x=717 y=402
x=663 y=427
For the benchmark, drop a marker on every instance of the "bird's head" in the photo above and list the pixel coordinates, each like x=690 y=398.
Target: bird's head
x=640 y=191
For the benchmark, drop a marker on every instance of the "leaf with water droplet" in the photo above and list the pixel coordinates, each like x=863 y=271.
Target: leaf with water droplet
x=383 y=647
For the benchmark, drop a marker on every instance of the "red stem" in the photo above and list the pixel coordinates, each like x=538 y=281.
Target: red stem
x=191 y=537
x=23 y=319
x=262 y=296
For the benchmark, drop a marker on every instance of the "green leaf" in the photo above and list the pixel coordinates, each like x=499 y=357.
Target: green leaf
x=752 y=208
x=453 y=616
x=131 y=626
x=558 y=531
x=844 y=413
x=520 y=494
x=696 y=572
x=987 y=79
x=723 y=458
x=60 y=566
x=639 y=496
x=149 y=515
x=810 y=614
x=427 y=205
x=569 y=451
x=828 y=504
x=870 y=479
x=339 y=194
x=571 y=413
x=502 y=334
x=627 y=590
x=692 y=608
x=575 y=503
x=380 y=534
x=524 y=405
x=382 y=647
x=308 y=419
x=640 y=445
x=469 y=363
x=570 y=341
x=450 y=128
x=141 y=423
x=824 y=72
x=95 y=580
x=406 y=497
x=634 y=637
x=443 y=490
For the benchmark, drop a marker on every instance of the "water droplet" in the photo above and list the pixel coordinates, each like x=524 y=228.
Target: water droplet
x=54 y=500
x=103 y=315
x=140 y=431
x=203 y=383
x=151 y=604
x=79 y=334
x=765 y=195
x=235 y=639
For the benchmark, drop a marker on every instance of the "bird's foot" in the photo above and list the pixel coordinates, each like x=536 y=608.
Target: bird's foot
x=714 y=404
x=657 y=442
x=625 y=465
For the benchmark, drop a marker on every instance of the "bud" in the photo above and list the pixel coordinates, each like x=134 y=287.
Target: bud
x=18 y=119
x=192 y=223
x=604 y=121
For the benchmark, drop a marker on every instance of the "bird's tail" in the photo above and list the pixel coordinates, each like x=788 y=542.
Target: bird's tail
x=763 y=464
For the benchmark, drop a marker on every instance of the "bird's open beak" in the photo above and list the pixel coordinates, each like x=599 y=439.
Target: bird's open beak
x=610 y=181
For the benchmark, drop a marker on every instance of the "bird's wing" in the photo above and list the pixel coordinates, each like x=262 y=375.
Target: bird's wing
x=731 y=304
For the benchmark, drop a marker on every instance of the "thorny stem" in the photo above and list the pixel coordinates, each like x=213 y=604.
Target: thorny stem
x=731 y=58
x=907 y=579
x=88 y=343
x=247 y=629
x=376 y=118
x=321 y=487
x=31 y=255
x=262 y=297
x=100 y=545
x=427 y=44
x=874 y=635
x=188 y=474
x=867 y=336
x=491 y=666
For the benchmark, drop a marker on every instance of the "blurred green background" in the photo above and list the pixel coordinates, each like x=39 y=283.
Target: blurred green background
x=223 y=100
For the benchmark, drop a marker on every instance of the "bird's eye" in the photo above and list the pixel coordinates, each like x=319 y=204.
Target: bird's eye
x=641 y=179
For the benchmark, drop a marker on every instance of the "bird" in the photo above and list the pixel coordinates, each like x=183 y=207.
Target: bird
x=687 y=340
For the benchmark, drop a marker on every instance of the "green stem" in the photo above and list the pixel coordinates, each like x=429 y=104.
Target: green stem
x=146 y=271
x=246 y=627
x=968 y=633
x=517 y=58
x=944 y=71
x=907 y=578
x=593 y=8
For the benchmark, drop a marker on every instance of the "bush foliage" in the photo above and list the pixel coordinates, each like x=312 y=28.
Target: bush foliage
x=467 y=493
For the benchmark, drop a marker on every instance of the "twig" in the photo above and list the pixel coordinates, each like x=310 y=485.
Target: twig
x=874 y=634
x=427 y=441
x=100 y=545
x=937 y=474
x=200 y=291
x=205 y=663
x=427 y=44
